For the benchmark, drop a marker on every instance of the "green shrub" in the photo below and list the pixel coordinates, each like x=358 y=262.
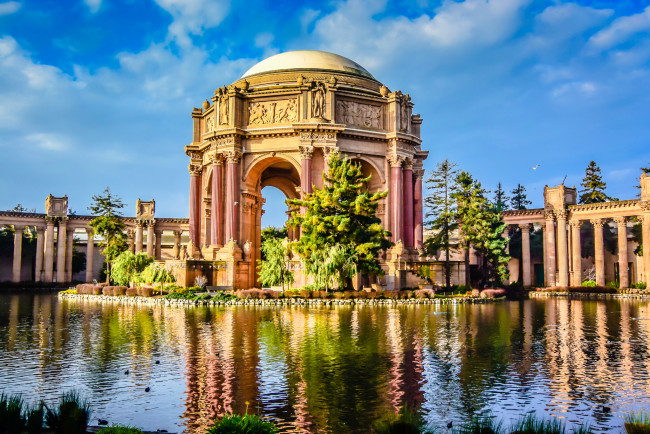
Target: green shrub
x=247 y=424
x=639 y=285
x=612 y=284
x=70 y=416
x=463 y=288
x=119 y=429
x=589 y=283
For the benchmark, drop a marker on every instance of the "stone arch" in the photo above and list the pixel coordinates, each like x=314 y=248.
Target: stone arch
x=369 y=168
x=378 y=172
x=262 y=161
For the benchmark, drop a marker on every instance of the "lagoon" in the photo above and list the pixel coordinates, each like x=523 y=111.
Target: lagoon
x=331 y=368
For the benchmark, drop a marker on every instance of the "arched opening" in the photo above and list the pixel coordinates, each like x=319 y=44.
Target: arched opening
x=272 y=179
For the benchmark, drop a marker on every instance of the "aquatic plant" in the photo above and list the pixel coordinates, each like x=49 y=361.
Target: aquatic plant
x=246 y=424
x=11 y=414
x=637 y=423
x=70 y=416
x=483 y=424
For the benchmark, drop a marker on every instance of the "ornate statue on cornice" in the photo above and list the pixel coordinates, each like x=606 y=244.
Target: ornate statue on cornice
x=318 y=101
x=223 y=107
x=405 y=113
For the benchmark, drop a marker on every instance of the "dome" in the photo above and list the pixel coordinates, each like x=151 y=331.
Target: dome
x=306 y=60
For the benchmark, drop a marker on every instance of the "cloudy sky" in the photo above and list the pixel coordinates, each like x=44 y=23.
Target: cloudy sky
x=99 y=92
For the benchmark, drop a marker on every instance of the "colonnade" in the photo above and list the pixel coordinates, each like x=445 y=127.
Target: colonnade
x=562 y=242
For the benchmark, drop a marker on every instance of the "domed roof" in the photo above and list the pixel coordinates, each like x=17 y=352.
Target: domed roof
x=307 y=60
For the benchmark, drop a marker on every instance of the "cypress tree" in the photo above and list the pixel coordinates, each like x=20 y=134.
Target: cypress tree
x=519 y=198
x=500 y=198
x=593 y=186
x=109 y=226
x=441 y=213
x=341 y=215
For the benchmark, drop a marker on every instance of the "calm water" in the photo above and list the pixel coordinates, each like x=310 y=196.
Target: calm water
x=331 y=369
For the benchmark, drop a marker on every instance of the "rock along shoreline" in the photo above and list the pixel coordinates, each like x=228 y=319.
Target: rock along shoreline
x=274 y=302
x=588 y=295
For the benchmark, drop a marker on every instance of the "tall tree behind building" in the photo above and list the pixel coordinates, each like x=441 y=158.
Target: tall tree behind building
x=108 y=225
x=501 y=199
x=519 y=199
x=441 y=212
x=593 y=186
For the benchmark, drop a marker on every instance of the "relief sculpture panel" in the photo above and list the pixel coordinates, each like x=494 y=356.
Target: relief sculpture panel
x=358 y=114
x=275 y=112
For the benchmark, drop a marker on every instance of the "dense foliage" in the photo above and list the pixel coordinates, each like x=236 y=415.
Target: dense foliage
x=341 y=215
x=127 y=267
x=108 y=225
x=274 y=268
x=501 y=200
x=519 y=199
x=155 y=272
x=246 y=424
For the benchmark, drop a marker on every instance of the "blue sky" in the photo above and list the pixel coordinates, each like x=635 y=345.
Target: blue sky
x=98 y=92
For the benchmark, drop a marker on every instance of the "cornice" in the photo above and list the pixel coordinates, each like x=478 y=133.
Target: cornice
x=605 y=205
x=526 y=212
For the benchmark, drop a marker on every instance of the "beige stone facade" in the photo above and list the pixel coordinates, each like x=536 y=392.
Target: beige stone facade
x=561 y=220
x=276 y=127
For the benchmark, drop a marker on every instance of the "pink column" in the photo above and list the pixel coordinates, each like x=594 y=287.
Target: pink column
x=305 y=169
x=419 y=218
x=216 y=217
x=407 y=196
x=195 y=204
x=232 y=195
x=396 y=198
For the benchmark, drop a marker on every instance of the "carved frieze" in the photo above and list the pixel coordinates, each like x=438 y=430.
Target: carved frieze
x=317 y=136
x=358 y=114
x=273 y=112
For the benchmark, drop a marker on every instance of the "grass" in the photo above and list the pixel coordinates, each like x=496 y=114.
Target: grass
x=70 y=416
x=247 y=424
x=637 y=423
x=404 y=422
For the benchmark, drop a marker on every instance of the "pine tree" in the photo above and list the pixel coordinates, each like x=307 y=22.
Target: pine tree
x=441 y=213
x=519 y=199
x=109 y=226
x=500 y=198
x=470 y=202
x=593 y=186
x=341 y=215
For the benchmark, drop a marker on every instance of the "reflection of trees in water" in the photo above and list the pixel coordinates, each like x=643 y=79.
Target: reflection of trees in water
x=341 y=368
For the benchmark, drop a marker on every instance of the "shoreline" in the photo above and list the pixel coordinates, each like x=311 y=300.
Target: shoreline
x=587 y=295
x=276 y=302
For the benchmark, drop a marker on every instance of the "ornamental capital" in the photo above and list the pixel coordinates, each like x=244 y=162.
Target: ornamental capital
x=575 y=224
x=525 y=226
x=598 y=223
x=621 y=221
x=418 y=173
x=645 y=205
x=561 y=214
x=217 y=159
x=408 y=164
x=195 y=169
x=232 y=156
x=306 y=152
x=395 y=160
x=549 y=215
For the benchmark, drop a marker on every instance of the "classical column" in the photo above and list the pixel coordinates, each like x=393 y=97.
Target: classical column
x=576 y=255
x=60 y=251
x=599 y=251
x=646 y=241
x=90 y=252
x=306 y=153
x=130 y=235
x=396 y=197
x=195 y=204
x=18 y=251
x=49 y=250
x=150 y=239
x=544 y=258
x=562 y=249
x=232 y=197
x=549 y=249
x=418 y=204
x=177 y=244
x=525 y=253
x=407 y=197
x=158 y=249
x=138 y=237
x=68 y=255
x=40 y=238
x=216 y=218
x=623 y=274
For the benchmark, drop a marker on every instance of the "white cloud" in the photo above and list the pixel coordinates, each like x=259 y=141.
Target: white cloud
x=584 y=88
x=191 y=17
x=621 y=30
x=264 y=39
x=50 y=142
x=9 y=8
x=93 y=5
